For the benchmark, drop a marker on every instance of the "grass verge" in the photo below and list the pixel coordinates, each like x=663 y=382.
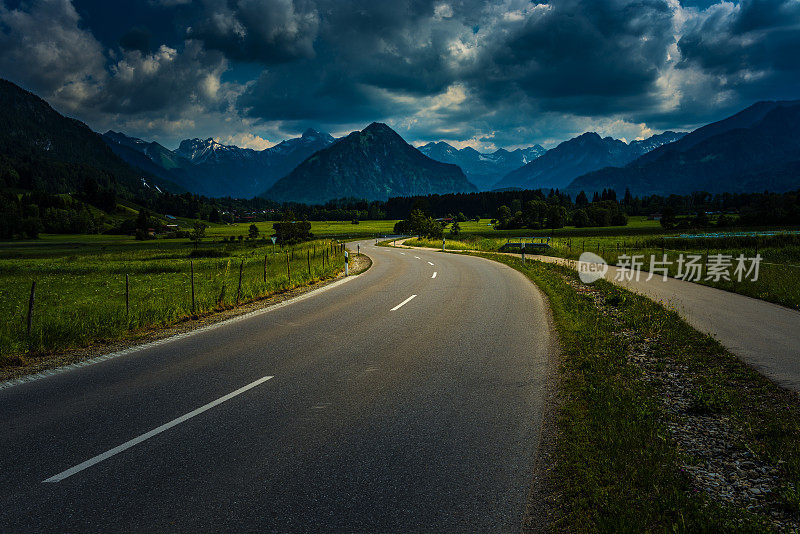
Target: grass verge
x=81 y=290
x=645 y=396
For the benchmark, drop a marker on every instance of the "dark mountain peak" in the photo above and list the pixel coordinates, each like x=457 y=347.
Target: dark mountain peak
x=557 y=167
x=187 y=144
x=311 y=134
x=374 y=163
x=753 y=150
x=587 y=136
x=378 y=127
x=746 y=118
x=470 y=150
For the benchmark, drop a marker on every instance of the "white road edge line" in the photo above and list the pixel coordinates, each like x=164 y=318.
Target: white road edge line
x=403 y=253
x=429 y=263
x=434 y=274
x=418 y=257
x=135 y=441
x=403 y=303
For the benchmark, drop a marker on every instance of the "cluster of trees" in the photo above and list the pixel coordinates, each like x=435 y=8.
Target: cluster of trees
x=289 y=230
x=534 y=214
x=484 y=204
x=558 y=210
x=420 y=224
x=26 y=216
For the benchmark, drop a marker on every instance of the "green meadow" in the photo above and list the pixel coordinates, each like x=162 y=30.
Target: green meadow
x=80 y=296
x=320 y=229
x=778 y=271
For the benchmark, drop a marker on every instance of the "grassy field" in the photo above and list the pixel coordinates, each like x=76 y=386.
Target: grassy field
x=621 y=461
x=779 y=270
x=80 y=285
x=324 y=229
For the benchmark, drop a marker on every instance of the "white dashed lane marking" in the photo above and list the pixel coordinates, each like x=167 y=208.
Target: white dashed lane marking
x=403 y=303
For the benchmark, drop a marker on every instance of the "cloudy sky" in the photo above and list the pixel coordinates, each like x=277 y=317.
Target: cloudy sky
x=487 y=74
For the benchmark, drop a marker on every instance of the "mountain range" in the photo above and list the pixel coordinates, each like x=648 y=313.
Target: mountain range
x=210 y=168
x=559 y=166
x=483 y=170
x=375 y=164
x=755 y=150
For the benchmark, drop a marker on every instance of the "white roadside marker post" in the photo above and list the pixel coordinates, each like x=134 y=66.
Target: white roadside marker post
x=346 y=262
x=443 y=239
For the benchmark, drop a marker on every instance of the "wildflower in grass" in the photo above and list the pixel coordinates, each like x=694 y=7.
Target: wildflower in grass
x=659 y=266
x=689 y=267
x=743 y=272
x=630 y=267
x=719 y=267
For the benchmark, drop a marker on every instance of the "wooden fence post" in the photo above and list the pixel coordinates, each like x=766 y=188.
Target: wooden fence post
x=239 y=290
x=308 y=258
x=191 y=264
x=288 y=270
x=30 y=307
x=127 y=296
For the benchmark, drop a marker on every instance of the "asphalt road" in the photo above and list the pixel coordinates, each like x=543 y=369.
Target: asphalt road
x=423 y=417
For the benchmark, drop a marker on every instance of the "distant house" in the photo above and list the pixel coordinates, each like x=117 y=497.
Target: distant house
x=173 y=227
x=170 y=217
x=654 y=217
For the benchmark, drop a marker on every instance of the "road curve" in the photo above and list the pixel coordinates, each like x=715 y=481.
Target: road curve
x=339 y=412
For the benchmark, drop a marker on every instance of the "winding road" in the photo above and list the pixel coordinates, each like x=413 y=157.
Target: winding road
x=407 y=398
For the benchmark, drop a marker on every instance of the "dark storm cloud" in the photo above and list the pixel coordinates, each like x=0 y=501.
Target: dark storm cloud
x=755 y=36
x=747 y=51
x=136 y=39
x=266 y=31
x=589 y=57
x=326 y=95
x=503 y=71
x=588 y=48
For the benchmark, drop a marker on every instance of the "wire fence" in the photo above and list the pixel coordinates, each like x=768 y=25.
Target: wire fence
x=50 y=305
